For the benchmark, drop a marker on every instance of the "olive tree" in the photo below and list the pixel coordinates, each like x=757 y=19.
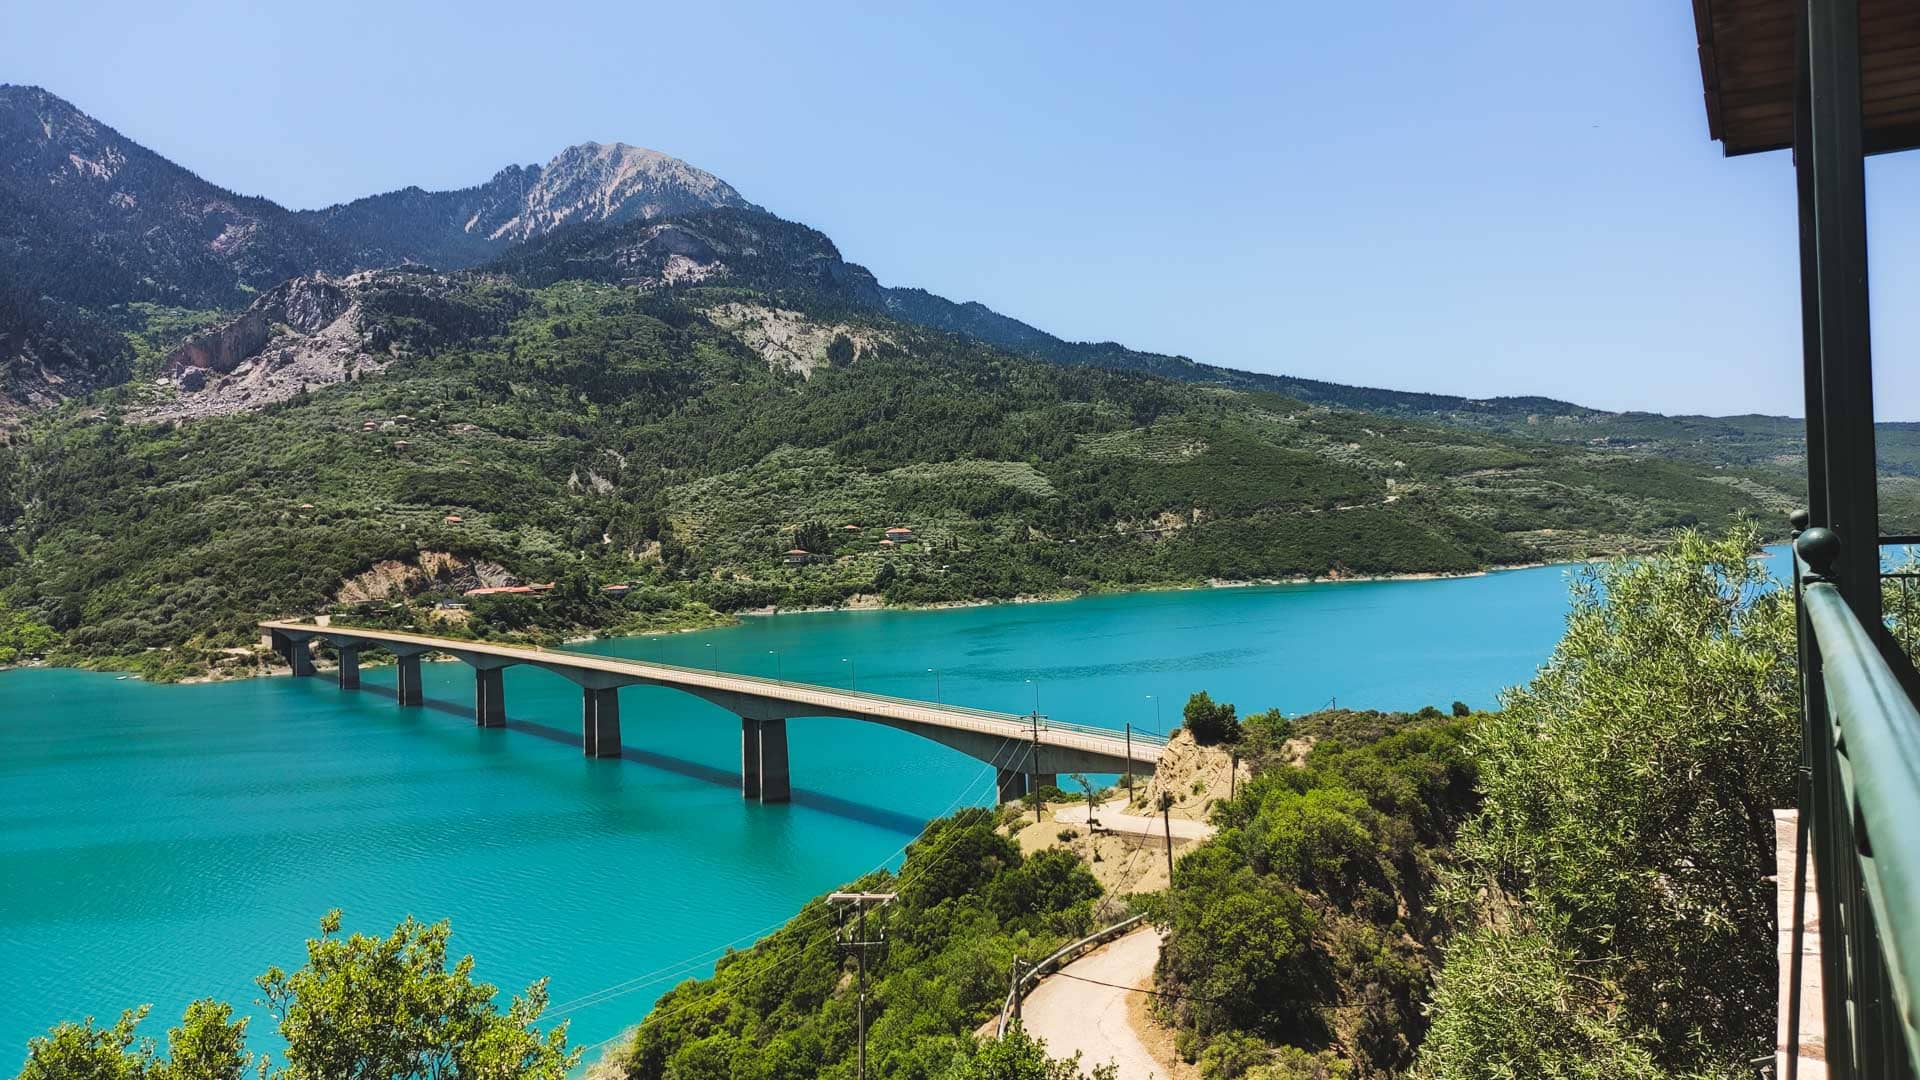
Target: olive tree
x=1627 y=821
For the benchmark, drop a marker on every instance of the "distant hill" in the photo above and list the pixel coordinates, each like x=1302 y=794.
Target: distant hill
x=754 y=248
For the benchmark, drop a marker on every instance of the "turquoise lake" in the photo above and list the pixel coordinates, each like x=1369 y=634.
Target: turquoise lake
x=162 y=843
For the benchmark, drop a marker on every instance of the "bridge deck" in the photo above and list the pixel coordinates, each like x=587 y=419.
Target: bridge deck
x=806 y=698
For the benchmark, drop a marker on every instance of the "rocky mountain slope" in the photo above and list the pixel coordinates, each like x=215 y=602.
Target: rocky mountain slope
x=92 y=221
x=591 y=182
x=91 y=217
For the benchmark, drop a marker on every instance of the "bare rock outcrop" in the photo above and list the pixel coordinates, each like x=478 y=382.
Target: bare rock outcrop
x=314 y=331
x=430 y=569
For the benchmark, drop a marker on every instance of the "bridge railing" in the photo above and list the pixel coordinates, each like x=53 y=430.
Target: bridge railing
x=1045 y=723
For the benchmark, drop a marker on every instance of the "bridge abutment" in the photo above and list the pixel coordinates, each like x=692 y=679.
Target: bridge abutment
x=489 y=697
x=1043 y=780
x=764 y=773
x=600 y=722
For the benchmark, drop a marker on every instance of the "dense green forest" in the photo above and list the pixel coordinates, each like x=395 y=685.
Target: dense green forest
x=591 y=434
x=784 y=1008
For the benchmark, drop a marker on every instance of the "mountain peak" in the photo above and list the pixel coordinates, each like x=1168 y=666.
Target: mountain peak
x=616 y=181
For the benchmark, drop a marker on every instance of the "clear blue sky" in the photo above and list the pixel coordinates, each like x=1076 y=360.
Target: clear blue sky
x=1478 y=198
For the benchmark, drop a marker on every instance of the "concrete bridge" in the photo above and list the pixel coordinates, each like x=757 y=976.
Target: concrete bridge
x=1028 y=751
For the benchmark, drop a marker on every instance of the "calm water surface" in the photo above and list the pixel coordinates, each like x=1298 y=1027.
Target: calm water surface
x=161 y=843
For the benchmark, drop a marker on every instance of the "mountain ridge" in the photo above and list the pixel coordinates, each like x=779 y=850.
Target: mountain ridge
x=220 y=249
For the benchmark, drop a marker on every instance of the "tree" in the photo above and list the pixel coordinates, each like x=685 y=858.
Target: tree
x=21 y=636
x=1019 y=1056
x=366 y=1006
x=1210 y=724
x=1627 y=819
x=209 y=1044
x=1265 y=734
x=1510 y=1004
x=84 y=1052
x=1461 y=708
x=813 y=537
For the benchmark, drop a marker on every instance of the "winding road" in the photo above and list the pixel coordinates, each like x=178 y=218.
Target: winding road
x=1083 y=1008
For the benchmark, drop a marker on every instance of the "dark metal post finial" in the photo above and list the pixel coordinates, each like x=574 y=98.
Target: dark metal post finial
x=1799 y=520
x=1820 y=549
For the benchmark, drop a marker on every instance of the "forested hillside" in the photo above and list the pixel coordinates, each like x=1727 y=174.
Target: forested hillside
x=683 y=441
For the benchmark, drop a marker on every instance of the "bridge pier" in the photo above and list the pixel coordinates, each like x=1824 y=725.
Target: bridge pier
x=600 y=722
x=299 y=654
x=1011 y=785
x=764 y=774
x=489 y=697
x=407 y=683
x=1036 y=781
x=349 y=667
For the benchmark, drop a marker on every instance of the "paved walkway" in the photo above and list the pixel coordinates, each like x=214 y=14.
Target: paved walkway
x=1813 y=1027
x=1110 y=818
x=1090 y=1018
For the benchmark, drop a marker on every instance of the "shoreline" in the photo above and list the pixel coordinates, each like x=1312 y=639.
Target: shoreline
x=1125 y=590
x=271 y=671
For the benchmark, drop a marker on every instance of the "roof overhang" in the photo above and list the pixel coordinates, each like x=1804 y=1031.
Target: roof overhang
x=1749 y=67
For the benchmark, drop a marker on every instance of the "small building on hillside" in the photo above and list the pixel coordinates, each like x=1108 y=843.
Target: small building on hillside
x=452 y=519
x=900 y=534
x=617 y=589
x=799 y=557
x=887 y=544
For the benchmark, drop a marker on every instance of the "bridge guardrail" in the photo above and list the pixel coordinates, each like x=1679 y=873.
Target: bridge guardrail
x=1046 y=724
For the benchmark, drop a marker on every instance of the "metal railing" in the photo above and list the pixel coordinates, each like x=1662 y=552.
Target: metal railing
x=1065 y=954
x=1860 y=801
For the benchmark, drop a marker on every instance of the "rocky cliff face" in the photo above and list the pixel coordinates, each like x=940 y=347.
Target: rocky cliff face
x=306 y=305
x=316 y=330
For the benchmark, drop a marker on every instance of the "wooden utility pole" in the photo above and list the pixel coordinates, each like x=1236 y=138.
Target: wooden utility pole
x=855 y=939
x=1014 y=992
x=1129 y=768
x=1034 y=769
x=1166 y=823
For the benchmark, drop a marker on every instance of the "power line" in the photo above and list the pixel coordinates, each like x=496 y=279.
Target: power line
x=963 y=796
x=641 y=982
x=1172 y=995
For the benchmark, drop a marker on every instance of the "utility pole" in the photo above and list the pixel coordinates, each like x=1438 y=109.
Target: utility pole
x=1033 y=768
x=1129 y=768
x=1166 y=823
x=855 y=939
x=1233 y=770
